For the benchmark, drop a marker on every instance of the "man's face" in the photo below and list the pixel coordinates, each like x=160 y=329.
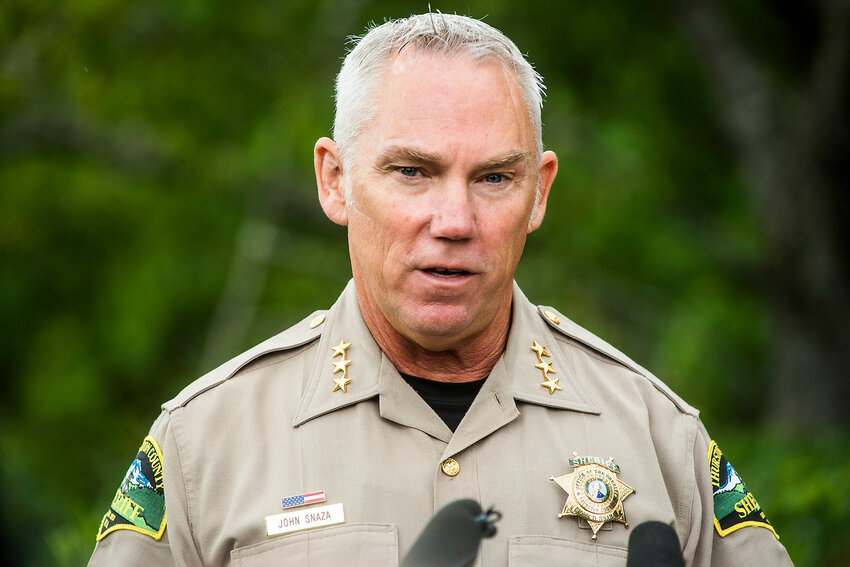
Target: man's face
x=442 y=187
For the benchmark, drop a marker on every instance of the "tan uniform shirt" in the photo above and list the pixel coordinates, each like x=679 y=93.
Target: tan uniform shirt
x=268 y=425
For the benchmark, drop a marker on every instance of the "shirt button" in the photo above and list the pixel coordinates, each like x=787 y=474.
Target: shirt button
x=450 y=467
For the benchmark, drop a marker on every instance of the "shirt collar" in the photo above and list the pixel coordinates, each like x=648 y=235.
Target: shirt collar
x=527 y=329
x=514 y=377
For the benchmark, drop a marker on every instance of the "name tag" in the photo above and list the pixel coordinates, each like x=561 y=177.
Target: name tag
x=305 y=519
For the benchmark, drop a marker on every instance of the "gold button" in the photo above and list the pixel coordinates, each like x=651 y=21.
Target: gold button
x=317 y=320
x=552 y=317
x=450 y=467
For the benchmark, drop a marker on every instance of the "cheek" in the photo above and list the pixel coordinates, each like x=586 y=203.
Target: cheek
x=506 y=235
x=386 y=219
x=373 y=240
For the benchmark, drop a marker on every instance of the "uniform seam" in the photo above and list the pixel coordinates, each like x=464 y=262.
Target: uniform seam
x=560 y=543
x=329 y=532
x=690 y=479
x=657 y=384
x=481 y=551
x=293 y=352
x=592 y=352
x=188 y=485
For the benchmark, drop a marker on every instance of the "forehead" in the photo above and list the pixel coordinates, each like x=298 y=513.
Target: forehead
x=448 y=104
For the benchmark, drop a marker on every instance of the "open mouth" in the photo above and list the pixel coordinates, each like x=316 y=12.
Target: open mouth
x=446 y=272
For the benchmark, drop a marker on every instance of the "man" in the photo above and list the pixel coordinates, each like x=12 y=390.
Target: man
x=432 y=378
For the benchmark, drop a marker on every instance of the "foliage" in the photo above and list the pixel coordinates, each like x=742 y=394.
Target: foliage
x=146 y=146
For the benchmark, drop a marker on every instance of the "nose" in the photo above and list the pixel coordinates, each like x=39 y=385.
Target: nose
x=453 y=212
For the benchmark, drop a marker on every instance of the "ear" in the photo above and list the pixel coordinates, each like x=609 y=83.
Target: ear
x=547 y=170
x=329 y=180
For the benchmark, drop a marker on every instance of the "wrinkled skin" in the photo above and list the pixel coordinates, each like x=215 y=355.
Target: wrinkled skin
x=442 y=187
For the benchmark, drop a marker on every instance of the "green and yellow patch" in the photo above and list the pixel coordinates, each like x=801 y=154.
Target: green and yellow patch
x=139 y=503
x=735 y=507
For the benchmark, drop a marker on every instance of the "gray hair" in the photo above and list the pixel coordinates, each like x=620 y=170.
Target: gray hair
x=443 y=34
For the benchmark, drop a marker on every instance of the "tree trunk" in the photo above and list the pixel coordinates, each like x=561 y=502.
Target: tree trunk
x=794 y=153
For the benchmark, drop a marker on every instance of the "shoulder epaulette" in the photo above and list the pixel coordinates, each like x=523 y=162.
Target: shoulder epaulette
x=298 y=335
x=569 y=328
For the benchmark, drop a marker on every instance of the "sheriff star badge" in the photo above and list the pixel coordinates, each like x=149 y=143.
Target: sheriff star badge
x=594 y=492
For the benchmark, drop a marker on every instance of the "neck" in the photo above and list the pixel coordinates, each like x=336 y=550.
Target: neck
x=471 y=360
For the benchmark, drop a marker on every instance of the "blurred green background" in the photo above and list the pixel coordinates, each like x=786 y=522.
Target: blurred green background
x=158 y=215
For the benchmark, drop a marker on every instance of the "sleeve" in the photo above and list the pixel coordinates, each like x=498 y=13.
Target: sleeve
x=729 y=528
x=142 y=525
x=131 y=549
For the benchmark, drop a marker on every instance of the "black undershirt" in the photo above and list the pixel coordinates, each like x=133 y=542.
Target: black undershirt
x=450 y=400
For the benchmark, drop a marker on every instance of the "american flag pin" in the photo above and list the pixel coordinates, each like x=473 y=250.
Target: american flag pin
x=302 y=499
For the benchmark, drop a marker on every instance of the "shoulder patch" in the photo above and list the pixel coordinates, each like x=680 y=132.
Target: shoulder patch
x=139 y=503
x=735 y=507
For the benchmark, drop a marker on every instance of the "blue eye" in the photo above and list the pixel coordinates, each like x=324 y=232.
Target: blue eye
x=408 y=171
x=494 y=178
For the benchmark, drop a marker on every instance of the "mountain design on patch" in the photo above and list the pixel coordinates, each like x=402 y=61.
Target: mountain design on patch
x=135 y=476
x=733 y=482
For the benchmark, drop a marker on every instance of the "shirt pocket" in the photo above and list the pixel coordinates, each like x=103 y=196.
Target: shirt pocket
x=527 y=551
x=351 y=544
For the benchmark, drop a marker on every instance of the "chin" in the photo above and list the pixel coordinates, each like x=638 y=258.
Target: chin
x=439 y=327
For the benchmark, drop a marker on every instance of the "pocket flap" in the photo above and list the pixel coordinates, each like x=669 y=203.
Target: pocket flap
x=349 y=544
x=544 y=550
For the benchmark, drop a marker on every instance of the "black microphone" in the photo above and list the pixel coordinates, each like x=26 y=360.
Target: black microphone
x=654 y=544
x=452 y=537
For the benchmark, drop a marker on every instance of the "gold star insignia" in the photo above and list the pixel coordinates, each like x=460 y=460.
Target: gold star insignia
x=341 y=366
x=594 y=492
x=340 y=348
x=341 y=382
x=539 y=349
x=551 y=384
x=545 y=367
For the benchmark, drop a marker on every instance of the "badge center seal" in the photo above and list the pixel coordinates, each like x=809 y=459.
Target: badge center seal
x=594 y=492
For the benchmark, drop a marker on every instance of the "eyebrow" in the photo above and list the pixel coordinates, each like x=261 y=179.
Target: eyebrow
x=405 y=154
x=401 y=153
x=506 y=161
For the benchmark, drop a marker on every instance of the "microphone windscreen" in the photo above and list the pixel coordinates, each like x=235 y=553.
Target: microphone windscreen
x=654 y=544
x=450 y=539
